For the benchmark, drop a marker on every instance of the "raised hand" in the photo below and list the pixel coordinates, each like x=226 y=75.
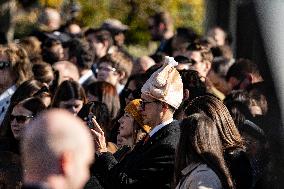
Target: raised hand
x=99 y=137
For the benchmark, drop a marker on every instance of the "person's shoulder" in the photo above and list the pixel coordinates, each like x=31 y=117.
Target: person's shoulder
x=204 y=177
x=168 y=136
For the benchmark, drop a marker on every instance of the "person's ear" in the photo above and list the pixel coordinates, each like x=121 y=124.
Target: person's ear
x=207 y=66
x=247 y=81
x=122 y=75
x=162 y=27
x=106 y=44
x=185 y=94
x=73 y=60
x=165 y=107
x=65 y=163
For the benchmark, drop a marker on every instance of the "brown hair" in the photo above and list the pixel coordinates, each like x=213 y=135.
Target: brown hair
x=106 y=93
x=33 y=104
x=20 y=63
x=32 y=46
x=200 y=143
x=67 y=90
x=217 y=111
x=43 y=72
x=204 y=50
x=26 y=90
x=119 y=61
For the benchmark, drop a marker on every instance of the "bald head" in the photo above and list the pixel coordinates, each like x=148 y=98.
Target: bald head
x=143 y=64
x=67 y=70
x=57 y=143
x=51 y=18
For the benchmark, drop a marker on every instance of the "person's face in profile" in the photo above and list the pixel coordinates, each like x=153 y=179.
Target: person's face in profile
x=58 y=51
x=126 y=125
x=19 y=117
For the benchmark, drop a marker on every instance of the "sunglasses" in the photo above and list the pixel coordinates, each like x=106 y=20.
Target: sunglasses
x=20 y=118
x=4 y=64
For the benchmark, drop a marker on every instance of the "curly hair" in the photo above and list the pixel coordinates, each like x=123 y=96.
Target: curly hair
x=20 y=63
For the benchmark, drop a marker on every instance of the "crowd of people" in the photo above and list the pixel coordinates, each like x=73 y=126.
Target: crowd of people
x=77 y=110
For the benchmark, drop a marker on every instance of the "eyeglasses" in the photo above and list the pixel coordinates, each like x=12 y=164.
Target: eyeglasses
x=20 y=118
x=105 y=69
x=4 y=64
x=143 y=103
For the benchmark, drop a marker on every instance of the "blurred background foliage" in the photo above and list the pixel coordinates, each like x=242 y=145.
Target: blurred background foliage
x=134 y=13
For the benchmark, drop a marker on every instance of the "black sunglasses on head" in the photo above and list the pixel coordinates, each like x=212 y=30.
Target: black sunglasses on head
x=4 y=64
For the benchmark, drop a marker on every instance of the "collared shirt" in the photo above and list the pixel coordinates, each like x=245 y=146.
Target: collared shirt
x=85 y=77
x=5 y=101
x=119 y=88
x=158 y=127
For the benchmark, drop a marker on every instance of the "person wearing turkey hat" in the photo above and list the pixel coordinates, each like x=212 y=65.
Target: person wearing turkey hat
x=151 y=163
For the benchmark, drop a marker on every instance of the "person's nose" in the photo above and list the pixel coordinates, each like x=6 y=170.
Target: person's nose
x=14 y=122
x=120 y=121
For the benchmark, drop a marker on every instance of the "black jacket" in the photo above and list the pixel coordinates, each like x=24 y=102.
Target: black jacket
x=149 y=165
x=34 y=186
x=240 y=168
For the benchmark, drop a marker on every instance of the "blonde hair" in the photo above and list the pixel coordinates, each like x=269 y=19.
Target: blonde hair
x=20 y=63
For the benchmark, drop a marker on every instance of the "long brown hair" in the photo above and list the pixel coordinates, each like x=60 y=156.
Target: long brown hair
x=106 y=93
x=200 y=143
x=68 y=90
x=217 y=111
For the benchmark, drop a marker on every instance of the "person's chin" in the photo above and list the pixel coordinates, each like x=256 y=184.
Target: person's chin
x=101 y=78
x=16 y=134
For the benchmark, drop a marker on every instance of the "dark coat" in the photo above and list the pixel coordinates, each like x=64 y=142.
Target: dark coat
x=149 y=165
x=240 y=168
x=35 y=186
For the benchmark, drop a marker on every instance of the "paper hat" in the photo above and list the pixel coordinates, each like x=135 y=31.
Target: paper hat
x=165 y=84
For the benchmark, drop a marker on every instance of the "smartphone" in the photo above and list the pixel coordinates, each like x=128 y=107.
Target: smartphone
x=89 y=121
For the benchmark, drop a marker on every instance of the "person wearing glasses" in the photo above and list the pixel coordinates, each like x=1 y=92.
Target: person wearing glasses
x=15 y=68
x=151 y=163
x=201 y=57
x=21 y=115
x=115 y=69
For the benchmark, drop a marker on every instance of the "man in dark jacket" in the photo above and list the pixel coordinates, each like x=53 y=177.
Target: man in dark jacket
x=151 y=163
